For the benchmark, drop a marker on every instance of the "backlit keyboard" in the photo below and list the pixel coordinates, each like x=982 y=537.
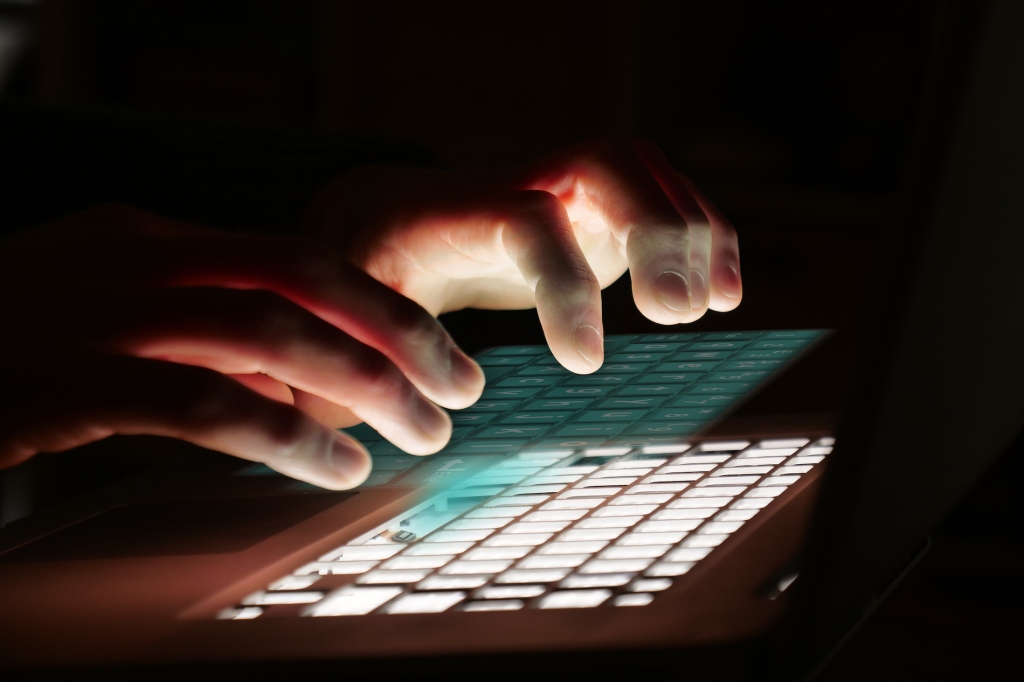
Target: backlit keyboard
x=565 y=491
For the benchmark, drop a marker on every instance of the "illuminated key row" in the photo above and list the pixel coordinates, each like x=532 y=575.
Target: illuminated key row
x=615 y=533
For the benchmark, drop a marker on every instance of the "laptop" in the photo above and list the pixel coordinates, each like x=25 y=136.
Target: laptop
x=708 y=503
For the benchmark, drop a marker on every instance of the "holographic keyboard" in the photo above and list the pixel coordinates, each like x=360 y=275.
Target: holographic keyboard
x=527 y=509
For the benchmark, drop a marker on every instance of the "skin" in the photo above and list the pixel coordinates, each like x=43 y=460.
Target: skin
x=129 y=323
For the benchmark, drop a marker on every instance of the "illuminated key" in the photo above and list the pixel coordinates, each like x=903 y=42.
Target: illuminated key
x=721 y=527
x=645 y=488
x=575 y=599
x=589 y=503
x=498 y=512
x=648 y=498
x=585 y=534
x=496 y=605
x=510 y=592
x=609 y=522
x=516 y=501
x=624 y=510
x=392 y=577
x=718 y=446
x=673 y=478
x=769 y=491
x=669 y=569
x=545 y=575
x=336 y=567
x=584 y=547
x=751 y=503
x=650 y=585
x=425 y=602
x=635 y=552
x=705 y=540
x=784 y=443
x=597 y=580
x=703 y=498
x=693 y=513
x=555 y=515
x=519 y=540
x=414 y=562
x=792 y=470
x=275 y=598
x=353 y=601
x=715 y=489
x=729 y=481
x=478 y=524
x=458 y=535
x=731 y=472
x=780 y=480
x=686 y=460
x=452 y=582
x=634 y=539
x=669 y=526
x=437 y=548
x=736 y=515
x=363 y=552
x=476 y=567
x=588 y=492
x=553 y=561
x=491 y=553
x=635 y=599
x=294 y=582
x=686 y=469
x=615 y=565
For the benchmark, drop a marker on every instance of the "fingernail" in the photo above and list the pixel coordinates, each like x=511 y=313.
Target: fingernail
x=589 y=344
x=698 y=290
x=672 y=291
x=349 y=461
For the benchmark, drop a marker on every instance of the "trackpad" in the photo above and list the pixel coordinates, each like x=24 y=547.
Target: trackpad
x=175 y=528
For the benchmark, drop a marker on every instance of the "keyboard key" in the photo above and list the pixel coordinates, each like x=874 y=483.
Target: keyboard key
x=768 y=365
x=516 y=501
x=555 y=515
x=537 y=527
x=527 y=382
x=793 y=470
x=599 y=482
x=684 y=414
x=578 y=391
x=589 y=416
x=777 y=344
x=354 y=601
x=682 y=477
x=545 y=575
x=597 y=580
x=650 y=585
x=512 y=431
x=437 y=548
x=651 y=347
x=590 y=534
x=664 y=449
x=678 y=514
x=529 y=490
x=575 y=547
x=395 y=462
x=517 y=540
x=666 y=428
x=729 y=480
x=415 y=562
x=771 y=491
x=635 y=552
x=380 y=577
x=336 y=567
x=717 y=345
x=491 y=406
x=700 y=501
x=751 y=503
x=464 y=567
x=780 y=480
x=281 y=598
x=502 y=360
x=563 y=404
x=591 y=430
x=532 y=351
x=458 y=535
x=721 y=527
x=715 y=488
x=615 y=566
x=638 y=462
x=542 y=370
x=763 y=453
x=657 y=488
x=637 y=599
x=687 y=356
x=553 y=561
x=693 y=366
x=510 y=592
x=635 y=539
x=425 y=602
x=705 y=540
x=494 y=447
x=781 y=354
x=477 y=524
x=688 y=554
x=729 y=388
x=694 y=458
x=531 y=417
x=508 y=393
x=589 y=492
x=749 y=465
x=630 y=403
x=625 y=510
x=492 y=553
x=294 y=582
x=609 y=522
x=668 y=526
x=363 y=552
x=704 y=400
x=805 y=460
x=669 y=568
x=636 y=357
x=496 y=605
x=584 y=503
x=574 y=599
x=662 y=389
x=736 y=515
x=648 y=498
x=498 y=512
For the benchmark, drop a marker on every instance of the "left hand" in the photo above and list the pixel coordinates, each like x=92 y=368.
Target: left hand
x=550 y=235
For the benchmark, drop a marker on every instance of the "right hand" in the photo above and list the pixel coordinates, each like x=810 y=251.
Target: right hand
x=117 y=321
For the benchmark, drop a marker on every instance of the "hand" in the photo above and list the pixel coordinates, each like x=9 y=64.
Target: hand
x=118 y=321
x=549 y=235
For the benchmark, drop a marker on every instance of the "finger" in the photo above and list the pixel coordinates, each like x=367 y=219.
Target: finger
x=266 y=386
x=726 y=282
x=89 y=398
x=324 y=411
x=318 y=280
x=536 y=235
x=253 y=331
x=611 y=177
x=718 y=255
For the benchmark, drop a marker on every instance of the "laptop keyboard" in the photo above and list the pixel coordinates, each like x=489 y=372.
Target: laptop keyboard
x=568 y=491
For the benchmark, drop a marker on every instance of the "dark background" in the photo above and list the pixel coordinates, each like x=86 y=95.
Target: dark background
x=798 y=120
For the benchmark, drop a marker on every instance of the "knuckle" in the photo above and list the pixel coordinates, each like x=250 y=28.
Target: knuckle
x=274 y=319
x=284 y=428
x=377 y=375
x=312 y=260
x=212 y=400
